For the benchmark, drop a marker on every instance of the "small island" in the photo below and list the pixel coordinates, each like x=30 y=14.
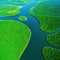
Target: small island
x=51 y=53
x=23 y=18
x=8 y=10
x=14 y=38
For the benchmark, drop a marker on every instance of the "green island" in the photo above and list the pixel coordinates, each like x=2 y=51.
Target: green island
x=14 y=38
x=8 y=10
x=51 y=53
x=54 y=39
x=23 y=18
x=48 y=15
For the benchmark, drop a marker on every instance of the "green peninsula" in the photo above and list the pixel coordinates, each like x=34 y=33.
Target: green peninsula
x=54 y=39
x=14 y=38
x=51 y=53
x=48 y=14
x=8 y=10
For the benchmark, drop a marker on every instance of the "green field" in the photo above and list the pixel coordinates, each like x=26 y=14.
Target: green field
x=8 y=10
x=48 y=15
x=14 y=38
x=51 y=53
x=54 y=39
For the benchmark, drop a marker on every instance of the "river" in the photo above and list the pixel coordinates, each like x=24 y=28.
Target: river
x=37 y=42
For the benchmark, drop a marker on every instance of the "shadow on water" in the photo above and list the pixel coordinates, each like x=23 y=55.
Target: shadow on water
x=37 y=42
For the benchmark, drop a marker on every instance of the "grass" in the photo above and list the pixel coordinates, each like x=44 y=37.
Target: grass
x=8 y=10
x=48 y=15
x=14 y=38
x=54 y=39
x=23 y=18
x=51 y=53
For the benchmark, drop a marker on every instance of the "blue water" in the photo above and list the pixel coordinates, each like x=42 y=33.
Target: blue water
x=37 y=42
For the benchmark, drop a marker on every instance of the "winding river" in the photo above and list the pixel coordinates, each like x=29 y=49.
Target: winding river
x=37 y=42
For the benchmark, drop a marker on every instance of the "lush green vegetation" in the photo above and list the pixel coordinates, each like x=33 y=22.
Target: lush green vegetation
x=48 y=14
x=14 y=38
x=8 y=10
x=51 y=53
x=48 y=8
x=54 y=39
x=23 y=18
